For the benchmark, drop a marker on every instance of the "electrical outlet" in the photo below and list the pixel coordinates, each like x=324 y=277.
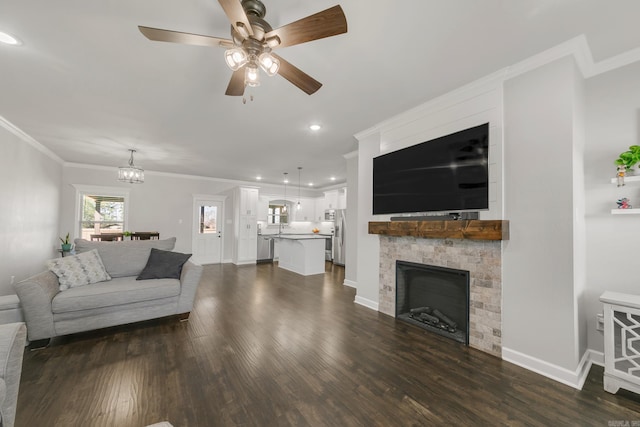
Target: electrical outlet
x=600 y=322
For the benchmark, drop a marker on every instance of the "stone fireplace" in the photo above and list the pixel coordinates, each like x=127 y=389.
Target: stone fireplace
x=482 y=258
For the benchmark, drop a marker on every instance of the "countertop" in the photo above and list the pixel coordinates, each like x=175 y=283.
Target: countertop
x=297 y=236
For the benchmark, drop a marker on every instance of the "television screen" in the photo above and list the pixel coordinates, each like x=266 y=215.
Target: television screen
x=450 y=173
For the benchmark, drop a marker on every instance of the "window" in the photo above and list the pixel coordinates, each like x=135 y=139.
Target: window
x=101 y=210
x=208 y=215
x=278 y=214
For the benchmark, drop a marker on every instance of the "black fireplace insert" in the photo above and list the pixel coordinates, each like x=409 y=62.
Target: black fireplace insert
x=434 y=298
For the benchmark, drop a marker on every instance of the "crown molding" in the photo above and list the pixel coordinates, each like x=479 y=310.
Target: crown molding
x=6 y=124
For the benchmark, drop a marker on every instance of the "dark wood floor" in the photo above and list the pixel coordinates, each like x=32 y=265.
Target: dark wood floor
x=266 y=347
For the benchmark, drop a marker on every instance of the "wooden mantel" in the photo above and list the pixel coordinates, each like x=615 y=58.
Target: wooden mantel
x=461 y=229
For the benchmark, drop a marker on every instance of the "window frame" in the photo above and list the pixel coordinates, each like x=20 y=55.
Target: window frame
x=97 y=190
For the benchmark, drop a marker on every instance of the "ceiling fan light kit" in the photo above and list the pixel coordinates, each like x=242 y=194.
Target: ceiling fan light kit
x=253 y=39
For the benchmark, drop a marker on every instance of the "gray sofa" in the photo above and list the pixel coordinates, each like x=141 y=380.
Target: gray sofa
x=50 y=312
x=13 y=337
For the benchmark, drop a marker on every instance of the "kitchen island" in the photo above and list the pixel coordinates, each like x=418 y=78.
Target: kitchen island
x=302 y=253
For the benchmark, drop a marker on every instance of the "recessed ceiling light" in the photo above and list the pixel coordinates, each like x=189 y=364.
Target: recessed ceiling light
x=314 y=127
x=258 y=178
x=9 y=39
x=311 y=184
x=333 y=178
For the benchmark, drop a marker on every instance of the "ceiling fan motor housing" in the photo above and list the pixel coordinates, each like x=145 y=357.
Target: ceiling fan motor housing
x=255 y=11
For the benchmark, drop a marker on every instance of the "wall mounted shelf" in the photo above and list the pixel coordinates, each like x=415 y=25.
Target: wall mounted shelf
x=627 y=179
x=625 y=211
x=462 y=229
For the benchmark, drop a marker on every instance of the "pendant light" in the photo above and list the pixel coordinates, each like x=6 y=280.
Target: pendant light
x=298 y=206
x=131 y=173
x=284 y=208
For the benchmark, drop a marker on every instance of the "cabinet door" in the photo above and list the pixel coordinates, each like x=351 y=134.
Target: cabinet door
x=263 y=208
x=331 y=199
x=248 y=238
x=306 y=211
x=249 y=201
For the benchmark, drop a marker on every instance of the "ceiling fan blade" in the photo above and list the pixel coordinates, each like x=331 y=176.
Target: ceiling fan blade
x=157 y=34
x=323 y=24
x=298 y=77
x=236 y=15
x=236 y=84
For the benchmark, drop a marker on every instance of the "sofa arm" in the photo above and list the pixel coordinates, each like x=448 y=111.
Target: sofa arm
x=13 y=337
x=36 y=294
x=189 y=280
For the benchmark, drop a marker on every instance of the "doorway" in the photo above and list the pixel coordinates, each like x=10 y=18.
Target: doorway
x=207 y=229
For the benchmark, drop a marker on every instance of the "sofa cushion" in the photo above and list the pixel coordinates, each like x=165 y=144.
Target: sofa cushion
x=163 y=265
x=78 y=270
x=128 y=258
x=119 y=291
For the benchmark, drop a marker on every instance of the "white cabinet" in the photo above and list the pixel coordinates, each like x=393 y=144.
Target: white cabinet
x=307 y=210
x=331 y=199
x=336 y=199
x=263 y=207
x=621 y=344
x=246 y=232
x=319 y=209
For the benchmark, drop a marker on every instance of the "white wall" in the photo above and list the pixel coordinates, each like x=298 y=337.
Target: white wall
x=351 y=235
x=539 y=307
x=30 y=184
x=613 y=242
x=163 y=203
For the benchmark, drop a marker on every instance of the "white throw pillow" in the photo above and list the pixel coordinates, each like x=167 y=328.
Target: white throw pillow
x=78 y=270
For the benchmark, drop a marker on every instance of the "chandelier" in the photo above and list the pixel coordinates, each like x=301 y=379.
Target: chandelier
x=131 y=173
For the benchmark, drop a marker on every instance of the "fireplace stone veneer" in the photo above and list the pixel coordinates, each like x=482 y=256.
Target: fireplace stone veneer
x=482 y=258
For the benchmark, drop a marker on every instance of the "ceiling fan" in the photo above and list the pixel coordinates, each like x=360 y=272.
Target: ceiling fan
x=253 y=40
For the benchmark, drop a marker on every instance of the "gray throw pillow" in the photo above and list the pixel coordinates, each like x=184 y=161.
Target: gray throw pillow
x=78 y=270
x=163 y=265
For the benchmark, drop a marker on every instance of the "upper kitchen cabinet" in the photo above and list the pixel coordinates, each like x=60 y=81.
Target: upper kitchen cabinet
x=248 y=201
x=263 y=207
x=335 y=199
x=307 y=210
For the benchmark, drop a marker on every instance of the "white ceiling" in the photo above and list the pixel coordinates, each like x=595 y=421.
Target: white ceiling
x=88 y=86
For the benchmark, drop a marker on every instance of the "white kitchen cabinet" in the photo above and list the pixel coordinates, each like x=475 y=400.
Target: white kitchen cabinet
x=331 y=199
x=336 y=199
x=307 y=210
x=246 y=232
x=342 y=199
x=319 y=209
x=263 y=207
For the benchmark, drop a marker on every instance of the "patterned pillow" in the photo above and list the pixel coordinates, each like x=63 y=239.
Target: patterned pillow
x=78 y=270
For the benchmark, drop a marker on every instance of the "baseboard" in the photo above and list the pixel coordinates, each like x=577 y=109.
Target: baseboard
x=573 y=379
x=350 y=283
x=596 y=357
x=366 y=302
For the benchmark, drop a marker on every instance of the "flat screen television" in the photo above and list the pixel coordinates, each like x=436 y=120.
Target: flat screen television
x=446 y=174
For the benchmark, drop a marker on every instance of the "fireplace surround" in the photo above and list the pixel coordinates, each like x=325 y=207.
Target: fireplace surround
x=483 y=260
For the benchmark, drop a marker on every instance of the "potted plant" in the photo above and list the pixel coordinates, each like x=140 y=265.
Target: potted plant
x=66 y=246
x=629 y=158
x=127 y=235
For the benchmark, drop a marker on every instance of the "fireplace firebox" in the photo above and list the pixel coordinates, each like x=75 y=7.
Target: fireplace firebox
x=434 y=298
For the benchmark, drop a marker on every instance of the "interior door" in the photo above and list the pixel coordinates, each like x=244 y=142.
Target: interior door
x=207 y=233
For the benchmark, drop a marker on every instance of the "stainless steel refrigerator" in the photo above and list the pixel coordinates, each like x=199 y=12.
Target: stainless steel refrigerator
x=340 y=227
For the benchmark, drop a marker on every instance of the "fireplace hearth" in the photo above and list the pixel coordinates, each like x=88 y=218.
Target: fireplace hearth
x=434 y=298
